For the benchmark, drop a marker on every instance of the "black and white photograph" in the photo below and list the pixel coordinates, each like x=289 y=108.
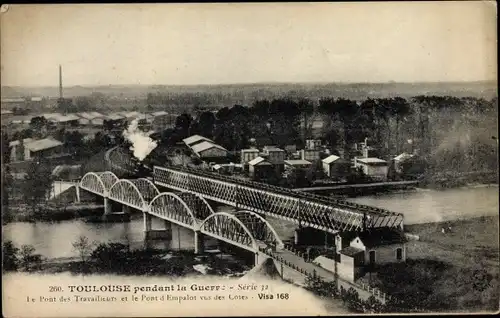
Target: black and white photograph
x=249 y=159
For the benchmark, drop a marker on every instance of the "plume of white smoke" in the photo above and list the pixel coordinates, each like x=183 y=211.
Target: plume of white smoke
x=142 y=144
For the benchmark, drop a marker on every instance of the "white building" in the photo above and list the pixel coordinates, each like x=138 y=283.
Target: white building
x=275 y=156
x=359 y=251
x=373 y=167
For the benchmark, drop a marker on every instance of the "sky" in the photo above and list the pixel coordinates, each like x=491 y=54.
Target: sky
x=189 y=44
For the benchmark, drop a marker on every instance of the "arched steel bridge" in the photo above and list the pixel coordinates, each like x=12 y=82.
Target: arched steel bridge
x=327 y=214
x=245 y=229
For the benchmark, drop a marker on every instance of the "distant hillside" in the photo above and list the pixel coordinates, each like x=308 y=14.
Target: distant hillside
x=248 y=92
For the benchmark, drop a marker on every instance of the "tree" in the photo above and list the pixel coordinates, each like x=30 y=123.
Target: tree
x=83 y=103
x=399 y=110
x=182 y=124
x=36 y=183
x=10 y=260
x=206 y=124
x=83 y=246
x=29 y=260
x=5 y=148
x=38 y=124
x=344 y=110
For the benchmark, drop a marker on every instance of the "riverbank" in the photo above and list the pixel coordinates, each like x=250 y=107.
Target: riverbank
x=454 y=270
x=117 y=259
x=47 y=213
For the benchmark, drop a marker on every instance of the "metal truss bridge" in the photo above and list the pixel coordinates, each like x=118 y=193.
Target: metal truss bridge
x=245 y=229
x=309 y=210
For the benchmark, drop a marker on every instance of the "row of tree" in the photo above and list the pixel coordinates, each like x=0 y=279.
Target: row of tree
x=392 y=125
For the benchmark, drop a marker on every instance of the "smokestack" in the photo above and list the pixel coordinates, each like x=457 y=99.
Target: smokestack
x=60 y=83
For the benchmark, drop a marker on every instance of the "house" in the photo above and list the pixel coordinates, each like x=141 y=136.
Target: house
x=334 y=166
x=248 y=155
x=310 y=154
x=206 y=149
x=374 y=167
x=399 y=159
x=195 y=139
x=359 y=252
x=276 y=156
x=43 y=147
x=297 y=164
x=260 y=168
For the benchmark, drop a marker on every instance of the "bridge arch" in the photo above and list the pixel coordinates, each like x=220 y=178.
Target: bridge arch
x=126 y=192
x=199 y=206
x=108 y=178
x=227 y=227
x=92 y=182
x=172 y=207
x=261 y=229
x=147 y=188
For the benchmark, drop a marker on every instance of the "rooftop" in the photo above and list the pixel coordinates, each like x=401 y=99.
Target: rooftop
x=258 y=160
x=205 y=145
x=403 y=156
x=6 y=112
x=160 y=113
x=351 y=251
x=381 y=236
x=43 y=144
x=298 y=162
x=371 y=160
x=16 y=142
x=115 y=116
x=331 y=159
x=194 y=138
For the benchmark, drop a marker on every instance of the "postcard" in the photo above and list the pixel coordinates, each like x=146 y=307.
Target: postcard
x=249 y=159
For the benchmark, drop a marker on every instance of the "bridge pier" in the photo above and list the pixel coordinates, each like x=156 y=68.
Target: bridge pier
x=77 y=190
x=147 y=221
x=156 y=234
x=199 y=242
x=108 y=209
x=298 y=235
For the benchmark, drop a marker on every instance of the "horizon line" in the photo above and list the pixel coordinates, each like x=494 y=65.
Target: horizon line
x=258 y=83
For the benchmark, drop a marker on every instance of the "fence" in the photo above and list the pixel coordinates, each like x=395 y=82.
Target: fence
x=357 y=286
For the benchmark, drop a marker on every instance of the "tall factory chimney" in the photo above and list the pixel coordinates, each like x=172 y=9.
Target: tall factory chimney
x=60 y=83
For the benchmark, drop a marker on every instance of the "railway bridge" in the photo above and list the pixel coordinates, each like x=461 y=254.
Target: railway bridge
x=247 y=228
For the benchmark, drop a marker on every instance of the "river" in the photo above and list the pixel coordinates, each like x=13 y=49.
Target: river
x=419 y=206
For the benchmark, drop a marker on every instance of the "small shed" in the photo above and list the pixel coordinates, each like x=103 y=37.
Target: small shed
x=399 y=159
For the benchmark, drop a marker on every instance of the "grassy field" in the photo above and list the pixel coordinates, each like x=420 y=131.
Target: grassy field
x=452 y=271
